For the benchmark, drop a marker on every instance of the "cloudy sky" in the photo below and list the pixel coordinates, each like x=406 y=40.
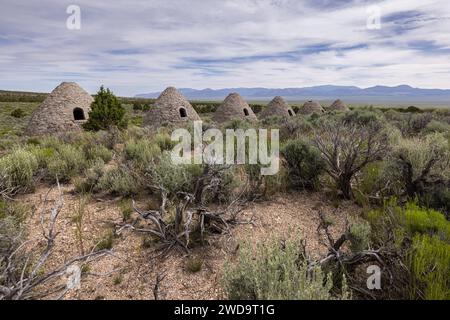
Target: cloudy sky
x=143 y=46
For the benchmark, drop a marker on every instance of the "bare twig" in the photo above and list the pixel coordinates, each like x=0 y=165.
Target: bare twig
x=23 y=287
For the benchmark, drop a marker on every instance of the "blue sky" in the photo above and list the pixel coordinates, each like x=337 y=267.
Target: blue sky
x=144 y=46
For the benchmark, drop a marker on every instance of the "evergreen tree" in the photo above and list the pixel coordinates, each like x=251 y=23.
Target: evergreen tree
x=106 y=112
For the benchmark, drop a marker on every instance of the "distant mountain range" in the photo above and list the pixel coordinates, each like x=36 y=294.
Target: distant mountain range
x=398 y=94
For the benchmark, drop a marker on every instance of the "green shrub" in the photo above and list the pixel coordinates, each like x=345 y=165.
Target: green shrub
x=222 y=188
x=274 y=273
x=141 y=152
x=33 y=141
x=66 y=163
x=194 y=264
x=11 y=233
x=237 y=124
x=272 y=121
x=410 y=124
x=295 y=127
x=17 y=211
x=106 y=241
x=437 y=197
x=430 y=265
x=276 y=183
x=119 y=182
x=437 y=127
x=18 y=113
x=93 y=173
x=136 y=121
x=18 y=168
x=99 y=152
x=164 y=141
x=126 y=209
x=260 y=185
x=429 y=255
x=304 y=164
x=359 y=235
x=421 y=238
x=43 y=155
x=106 y=112
x=425 y=221
x=370 y=183
x=413 y=162
x=90 y=139
x=117 y=279
x=363 y=117
x=136 y=133
x=51 y=142
x=12 y=236
x=173 y=177
x=256 y=108
x=137 y=106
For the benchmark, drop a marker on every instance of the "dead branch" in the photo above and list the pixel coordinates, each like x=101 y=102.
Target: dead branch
x=20 y=278
x=156 y=288
x=190 y=213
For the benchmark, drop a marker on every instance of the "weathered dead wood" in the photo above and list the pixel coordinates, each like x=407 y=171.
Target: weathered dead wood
x=21 y=277
x=190 y=214
x=157 y=287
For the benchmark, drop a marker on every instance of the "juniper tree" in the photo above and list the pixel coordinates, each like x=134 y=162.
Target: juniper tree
x=106 y=112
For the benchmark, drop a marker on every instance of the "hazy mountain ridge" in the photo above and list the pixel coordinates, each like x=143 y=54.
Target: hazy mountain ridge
x=325 y=92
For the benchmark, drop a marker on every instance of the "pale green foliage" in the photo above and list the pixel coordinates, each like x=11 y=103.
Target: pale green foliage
x=369 y=182
x=66 y=163
x=423 y=235
x=194 y=264
x=134 y=132
x=273 y=272
x=173 y=177
x=419 y=167
x=119 y=182
x=50 y=142
x=126 y=208
x=99 y=152
x=42 y=154
x=164 y=141
x=18 y=168
x=359 y=234
x=91 y=177
x=419 y=152
x=12 y=235
x=295 y=127
x=437 y=126
x=141 y=152
x=430 y=264
x=304 y=164
x=425 y=221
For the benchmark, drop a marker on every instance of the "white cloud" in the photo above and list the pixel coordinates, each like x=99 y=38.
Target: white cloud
x=136 y=46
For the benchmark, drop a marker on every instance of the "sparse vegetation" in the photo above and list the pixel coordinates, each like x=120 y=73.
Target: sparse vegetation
x=17 y=170
x=106 y=241
x=126 y=209
x=419 y=238
x=66 y=162
x=304 y=164
x=194 y=264
x=393 y=163
x=119 y=181
x=275 y=272
x=18 y=113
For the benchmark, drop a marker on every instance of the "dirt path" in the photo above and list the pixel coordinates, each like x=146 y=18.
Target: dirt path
x=131 y=273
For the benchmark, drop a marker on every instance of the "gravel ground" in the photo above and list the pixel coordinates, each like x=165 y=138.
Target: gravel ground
x=131 y=272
